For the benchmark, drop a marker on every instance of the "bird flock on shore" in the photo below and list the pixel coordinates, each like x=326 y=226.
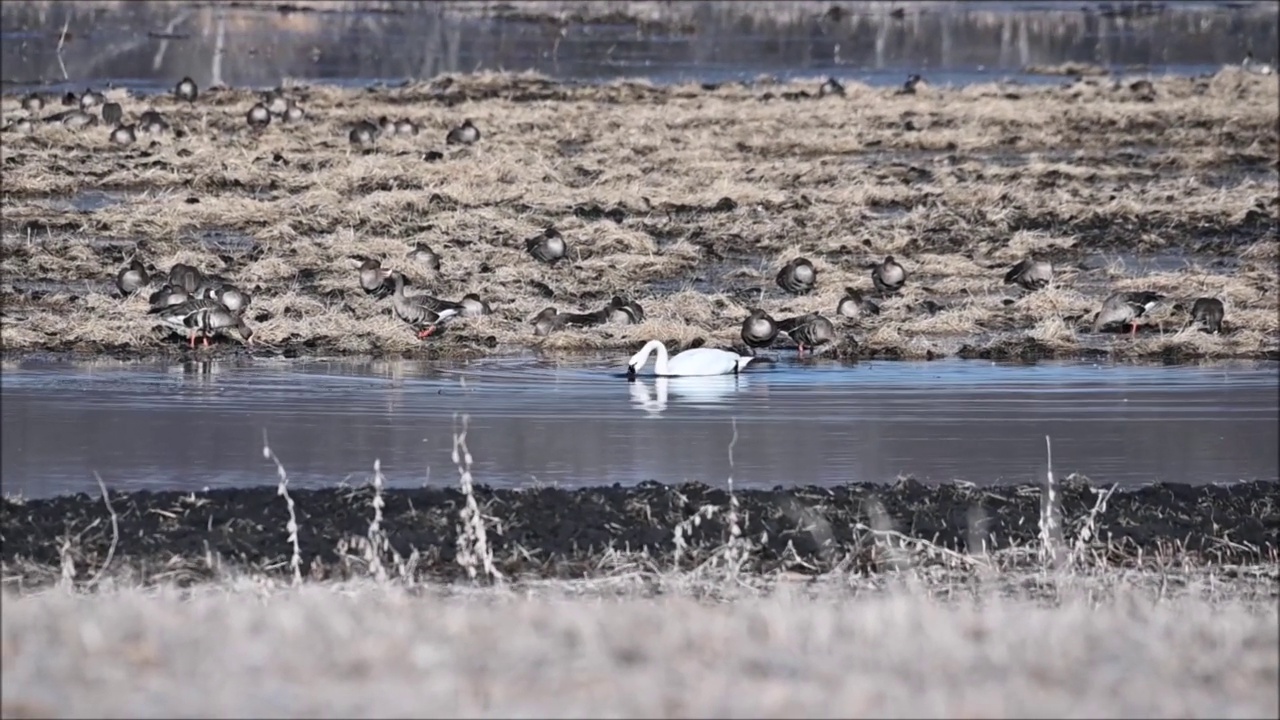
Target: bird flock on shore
x=202 y=305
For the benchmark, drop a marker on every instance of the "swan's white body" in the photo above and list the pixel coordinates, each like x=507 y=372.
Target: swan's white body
x=698 y=361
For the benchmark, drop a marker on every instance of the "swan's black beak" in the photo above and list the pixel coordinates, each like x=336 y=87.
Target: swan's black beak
x=631 y=373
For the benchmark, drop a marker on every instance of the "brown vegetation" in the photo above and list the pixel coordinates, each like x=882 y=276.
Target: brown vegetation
x=687 y=199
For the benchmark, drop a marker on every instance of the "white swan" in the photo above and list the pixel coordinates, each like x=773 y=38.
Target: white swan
x=698 y=361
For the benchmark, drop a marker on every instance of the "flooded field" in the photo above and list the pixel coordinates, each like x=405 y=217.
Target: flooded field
x=573 y=425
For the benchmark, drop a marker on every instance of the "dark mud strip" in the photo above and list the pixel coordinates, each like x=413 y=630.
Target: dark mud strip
x=566 y=533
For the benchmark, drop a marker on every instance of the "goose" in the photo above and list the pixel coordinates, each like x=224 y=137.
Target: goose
x=167 y=296
x=549 y=320
x=831 y=87
x=1030 y=274
x=1251 y=65
x=421 y=309
x=363 y=134
x=224 y=293
x=186 y=90
x=205 y=317
x=373 y=279
x=811 y=329
x=1125 y=307
x=854 y=304
x=1208 y=311
x=386 y=126
x=694 y=362
x=473 y=306
x=911 y=85
x=275 y=101
x=91 y=99
x=73 y=119
x=152 y=122
x=405 y=126
x=465 y=134
x=186 y=277
x=759 y=330
x=797 y=277
x=293 y=113
x=124 y=136
x=21 y=125
x=549 y=247
x=112 y=113
x=258 y=116
x=888 y=276
x=33 y=103
x=69 y=99
x=425 y=256
x=132 y=277
x=624 y=311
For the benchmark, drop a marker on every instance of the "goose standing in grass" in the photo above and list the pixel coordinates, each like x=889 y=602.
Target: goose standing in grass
x=424 y=256
x=258 y=117
x=375 y=279
x=363 y=134
x=695 y=362
x=91 y=99
x=275 y=101
x=888 y=276
x=167 y=296
x=124 y=136
x=112 y=113
x=853 y=304
x=205 y=317
x=624 y=311
x=405 y=126
x=33 y=103
x=797 y=277
x=465 y=134
x=473 y=306
x=1249 y=64
x=1208 y=312
x=186 y=90
x=152 y=123
x=1030 y=274
x=831 y=87
x=549 y=320
x=224 y=293
x=293 y=113
x=811 y=329
x=913 y=83
x=1125 y=308
x=759 y=330
x=73 y=119
x=132 y=277
x=185 y=276
x=386 y=126
x=420 y=310
x=548 y=247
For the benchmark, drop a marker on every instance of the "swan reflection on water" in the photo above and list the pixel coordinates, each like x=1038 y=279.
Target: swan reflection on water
x=710 y=390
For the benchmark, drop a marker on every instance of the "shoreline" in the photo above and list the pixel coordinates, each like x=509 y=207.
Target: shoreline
x=554 y=533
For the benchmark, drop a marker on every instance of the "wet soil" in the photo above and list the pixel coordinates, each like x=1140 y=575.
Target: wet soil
x=559 y=533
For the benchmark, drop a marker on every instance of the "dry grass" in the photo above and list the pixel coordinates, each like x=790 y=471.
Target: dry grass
x=841 y=648
x=982 y=178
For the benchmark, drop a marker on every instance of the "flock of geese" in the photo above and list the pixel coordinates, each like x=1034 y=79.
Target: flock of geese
x=198 y=304
x=91 y=109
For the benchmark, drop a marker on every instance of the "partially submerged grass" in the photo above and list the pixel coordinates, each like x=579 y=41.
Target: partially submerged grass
x=686 y=198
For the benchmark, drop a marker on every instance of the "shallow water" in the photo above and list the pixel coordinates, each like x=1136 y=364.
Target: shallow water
x=148 y=46
x=201 y=424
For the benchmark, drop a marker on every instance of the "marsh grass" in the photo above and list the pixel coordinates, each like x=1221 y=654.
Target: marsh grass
x=985 y=180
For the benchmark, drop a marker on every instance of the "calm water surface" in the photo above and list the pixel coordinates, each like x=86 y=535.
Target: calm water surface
x=201 y=424
x=149 y=46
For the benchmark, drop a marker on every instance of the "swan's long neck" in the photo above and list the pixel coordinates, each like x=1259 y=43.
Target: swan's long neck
x=660 y=365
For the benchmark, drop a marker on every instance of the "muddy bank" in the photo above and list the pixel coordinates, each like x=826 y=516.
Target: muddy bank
x=687 y=199
x=558 y=533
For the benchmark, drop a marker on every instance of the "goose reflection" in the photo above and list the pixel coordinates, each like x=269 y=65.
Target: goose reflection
x=710 y=390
